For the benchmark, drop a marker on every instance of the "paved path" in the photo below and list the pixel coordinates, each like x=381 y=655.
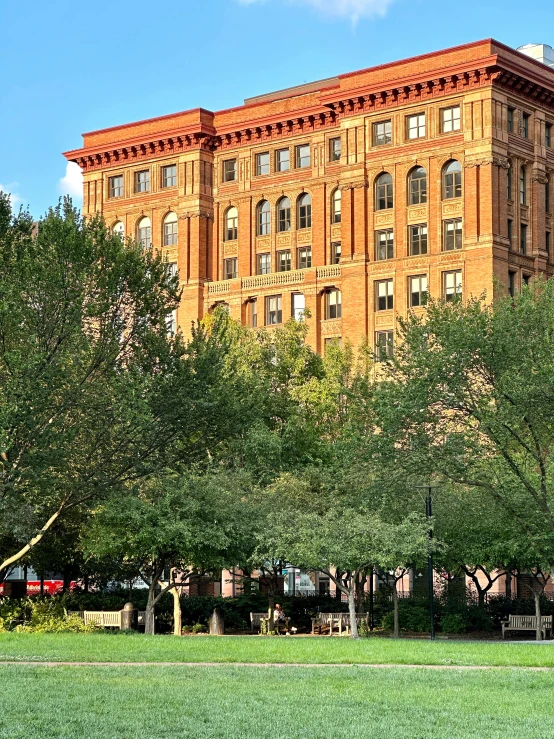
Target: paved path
x=39 y=663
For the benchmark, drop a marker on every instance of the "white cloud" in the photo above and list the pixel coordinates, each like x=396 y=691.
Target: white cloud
x=72 y=183
x=11 y=190
x=352 y=9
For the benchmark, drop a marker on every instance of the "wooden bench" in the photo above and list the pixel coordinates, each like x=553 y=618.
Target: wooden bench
x=526 y=623
x=341 y=621
x=106 y=619
x=256 y=618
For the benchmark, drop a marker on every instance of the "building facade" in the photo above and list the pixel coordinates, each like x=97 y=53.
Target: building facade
x=353 y=197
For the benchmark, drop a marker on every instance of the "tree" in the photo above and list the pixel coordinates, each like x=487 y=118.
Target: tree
x=93 y=393
x=468 y=397
x=319 y=527
x=182 y=526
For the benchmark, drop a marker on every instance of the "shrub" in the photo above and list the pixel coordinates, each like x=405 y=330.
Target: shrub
x=412 y=616
x=199 y=629
x=453 y=623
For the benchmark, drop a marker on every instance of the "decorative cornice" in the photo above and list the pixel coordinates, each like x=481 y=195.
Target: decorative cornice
x=334 y=106
x=197 y=214
x=354 y=185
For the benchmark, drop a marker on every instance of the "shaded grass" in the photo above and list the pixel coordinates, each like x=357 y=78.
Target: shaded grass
x=120 y=647
x=283 y=703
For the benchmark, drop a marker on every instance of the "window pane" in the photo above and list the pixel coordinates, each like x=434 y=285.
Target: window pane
x=169 y=176
x=384 y=245
x=382 y=133
x=418 y=240
x=262 y=163
x=334 y=150
x=283 y=261
x=298 y=305
x=230 y=170
x=303 y=155
x=283 y=160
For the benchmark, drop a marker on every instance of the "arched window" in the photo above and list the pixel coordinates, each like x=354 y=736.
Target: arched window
x=231 y=224
x=417 y=186
x=170 y=229
x=263 y=218
x=522 y=186
x=119 y=229
x=283 y=215
x=144 y=233
x=383 y=192
x=452 y=180
x=305 y=211
x=336 y=207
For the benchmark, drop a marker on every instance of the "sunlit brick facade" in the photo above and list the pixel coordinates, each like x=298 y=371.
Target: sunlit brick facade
x=353 y=196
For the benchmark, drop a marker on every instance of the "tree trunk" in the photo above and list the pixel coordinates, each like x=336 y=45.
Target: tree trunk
x=396 y=630
x=537 y=597
x=360 y=585
x=352 y=608
x=338 y=591
x=177 y=614
x=150 y=614
x=270 y=609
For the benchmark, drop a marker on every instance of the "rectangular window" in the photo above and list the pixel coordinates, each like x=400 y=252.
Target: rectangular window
x=171 y=232
x=169 y=175
x=547 y=244
x=171 y=269
x=384 y=244
x=418 y=239
x=384 y=347
x=282 y=160
x=415 y=126
x=142 y=181
x=254 y=312
x=452 y=285
x=262 y=163
x=335 y=252
x=230 y=170
x=382 y=133
x=418 y=291
x=333 y=304
x=547 y=195
x=283 y=261
x=452 y=234
x=548 y=135
x=303 y=156
x=171 y=323
x=264 y=264
x=510 y=233
x=525 y=125
x=115 y=186
x=523 y=239
x=450 y=119
x=512 y=283
x=273 y=310
x=334 y=150
x=526 y=279
x=384 y=297
x=304 y=257
x=230 y=268
x=298 y=306
x=511 y=117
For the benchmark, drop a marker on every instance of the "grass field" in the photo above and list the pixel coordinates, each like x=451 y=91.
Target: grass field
x=231 y=702
x=117 y=647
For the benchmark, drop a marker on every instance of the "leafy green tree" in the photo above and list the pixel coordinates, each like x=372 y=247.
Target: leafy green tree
x=176 y=526
x=93 y=393
x=320 y=527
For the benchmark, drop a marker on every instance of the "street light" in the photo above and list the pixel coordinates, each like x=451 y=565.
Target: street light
x=428 y=514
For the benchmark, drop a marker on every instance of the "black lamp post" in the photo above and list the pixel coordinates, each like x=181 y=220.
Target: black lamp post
x=429 y=513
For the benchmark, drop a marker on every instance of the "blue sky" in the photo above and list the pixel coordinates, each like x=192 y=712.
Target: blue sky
x=71 y=66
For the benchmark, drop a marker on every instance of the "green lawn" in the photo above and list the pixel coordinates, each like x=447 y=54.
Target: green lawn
x=323 y=650
x=276 y=703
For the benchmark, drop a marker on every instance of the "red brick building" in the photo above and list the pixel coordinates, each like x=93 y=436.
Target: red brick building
x=353 y=196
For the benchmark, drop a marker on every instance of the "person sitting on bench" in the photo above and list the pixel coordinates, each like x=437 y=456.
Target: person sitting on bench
x=279 y=618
